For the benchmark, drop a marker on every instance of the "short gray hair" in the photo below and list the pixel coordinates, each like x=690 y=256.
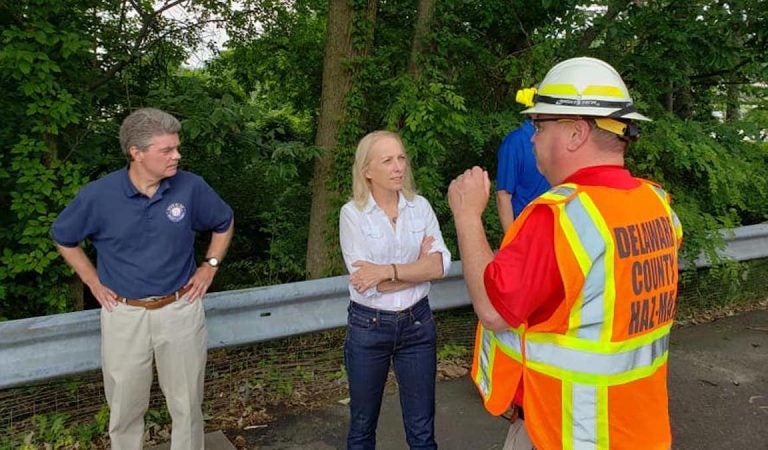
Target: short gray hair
x=142 y=125
x=608 y=141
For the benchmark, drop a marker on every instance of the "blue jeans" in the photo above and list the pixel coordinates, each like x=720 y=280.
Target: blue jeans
x=374 y=338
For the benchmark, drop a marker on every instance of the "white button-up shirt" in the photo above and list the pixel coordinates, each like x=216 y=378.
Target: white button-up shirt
x=368 y=235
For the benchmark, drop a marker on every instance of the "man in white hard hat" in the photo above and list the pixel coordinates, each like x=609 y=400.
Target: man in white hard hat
x=575 y=308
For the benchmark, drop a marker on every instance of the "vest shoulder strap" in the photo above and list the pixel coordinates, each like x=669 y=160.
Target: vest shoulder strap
x=561 y=193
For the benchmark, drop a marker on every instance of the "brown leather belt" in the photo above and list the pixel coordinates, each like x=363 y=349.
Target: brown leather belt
x=158 y=302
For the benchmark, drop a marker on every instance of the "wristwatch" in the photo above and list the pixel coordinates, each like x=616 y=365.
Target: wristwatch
x=213 y=261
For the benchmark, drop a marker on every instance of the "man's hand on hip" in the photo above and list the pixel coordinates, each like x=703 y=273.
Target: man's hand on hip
x=201 y=280
x=104 y=295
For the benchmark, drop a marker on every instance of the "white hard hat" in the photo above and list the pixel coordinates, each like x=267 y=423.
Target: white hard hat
x=581 y=87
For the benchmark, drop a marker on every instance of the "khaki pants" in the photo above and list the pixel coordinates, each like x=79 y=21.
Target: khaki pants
x=517 y=437
x=176 y=338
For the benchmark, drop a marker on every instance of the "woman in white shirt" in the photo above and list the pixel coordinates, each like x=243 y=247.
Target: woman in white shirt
x=392 y=247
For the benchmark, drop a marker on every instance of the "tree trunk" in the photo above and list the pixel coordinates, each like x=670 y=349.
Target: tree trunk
x=337 y=82
x=669 y=98
x=423 y=25
x=732 y=103
x=77 y=293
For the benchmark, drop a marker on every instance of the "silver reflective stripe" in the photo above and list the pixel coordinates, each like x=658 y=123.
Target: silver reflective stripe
x=564 y=191
x=660 y=192
x=510 y=341
x=584 y=417
x=485 y=363
x=675 y=221
x=592 y=313
x=506 y=341
x=593 y=363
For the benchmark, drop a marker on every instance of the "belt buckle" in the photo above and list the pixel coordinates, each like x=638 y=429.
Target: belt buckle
x=145 y=299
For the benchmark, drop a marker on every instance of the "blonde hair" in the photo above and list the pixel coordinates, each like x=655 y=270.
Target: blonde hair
x=361 y=188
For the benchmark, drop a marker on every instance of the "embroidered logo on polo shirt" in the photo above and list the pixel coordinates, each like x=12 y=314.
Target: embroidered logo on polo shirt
x=175 y=212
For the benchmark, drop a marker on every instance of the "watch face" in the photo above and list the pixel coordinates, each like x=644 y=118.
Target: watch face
x=212 y=261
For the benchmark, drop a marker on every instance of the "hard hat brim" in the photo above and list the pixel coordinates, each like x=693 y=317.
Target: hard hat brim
x=563 y=110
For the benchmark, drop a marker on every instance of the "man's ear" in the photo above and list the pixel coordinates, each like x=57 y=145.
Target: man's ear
x=579 y=134
x=136 y=154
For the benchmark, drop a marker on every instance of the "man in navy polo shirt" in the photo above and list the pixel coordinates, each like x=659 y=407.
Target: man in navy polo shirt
x=142 y=220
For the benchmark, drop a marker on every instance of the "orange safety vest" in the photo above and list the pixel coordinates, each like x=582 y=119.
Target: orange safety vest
x=595 y=372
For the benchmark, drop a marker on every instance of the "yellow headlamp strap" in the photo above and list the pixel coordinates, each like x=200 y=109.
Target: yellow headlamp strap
x=626 y=131
x=613 y=126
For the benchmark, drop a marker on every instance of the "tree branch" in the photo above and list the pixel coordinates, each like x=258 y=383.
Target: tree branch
x=589 y=35
x=140 y=44
x=721 y=72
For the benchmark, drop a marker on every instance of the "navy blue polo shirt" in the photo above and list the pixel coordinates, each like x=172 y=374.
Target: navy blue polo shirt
x=517 y=172
x=143 y=246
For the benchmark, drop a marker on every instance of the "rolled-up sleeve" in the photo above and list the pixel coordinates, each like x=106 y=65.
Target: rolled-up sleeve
x=350 y=237
x=352 y=243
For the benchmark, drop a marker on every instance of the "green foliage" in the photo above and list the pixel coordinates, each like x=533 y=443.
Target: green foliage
x=254 y=154
x=158 y=417
x=291 y=35
x=41 y=108
x=54 y=431
x=62 y=106
x=723 y=286
x=689 y=58
x=45 y=72
x=716 y=179
x=452 y=351
x=71 y=70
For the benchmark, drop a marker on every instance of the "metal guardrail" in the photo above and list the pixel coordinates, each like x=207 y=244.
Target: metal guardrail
x=742 y=244
x=40 y=348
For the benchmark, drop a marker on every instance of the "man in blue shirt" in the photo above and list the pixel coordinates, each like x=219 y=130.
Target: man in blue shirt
x=518 y=181
x=142 y=221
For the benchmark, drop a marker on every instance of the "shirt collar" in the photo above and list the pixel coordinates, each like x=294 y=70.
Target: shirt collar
x=607 y=175
x=130 y=190
x=402 y=202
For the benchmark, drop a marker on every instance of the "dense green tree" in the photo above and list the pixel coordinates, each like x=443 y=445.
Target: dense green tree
x=69 y=71
x=273 y=119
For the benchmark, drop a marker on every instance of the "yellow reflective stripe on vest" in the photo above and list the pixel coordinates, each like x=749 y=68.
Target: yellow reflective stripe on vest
x=607 y=363
x=586 y=369
x=665 y=201
x=591 y=317
x=509 y=342
x=588 y=406
x=559 y=192
x=585 y=360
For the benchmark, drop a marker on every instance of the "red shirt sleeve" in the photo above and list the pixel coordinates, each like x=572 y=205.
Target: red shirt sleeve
x=523 y=281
